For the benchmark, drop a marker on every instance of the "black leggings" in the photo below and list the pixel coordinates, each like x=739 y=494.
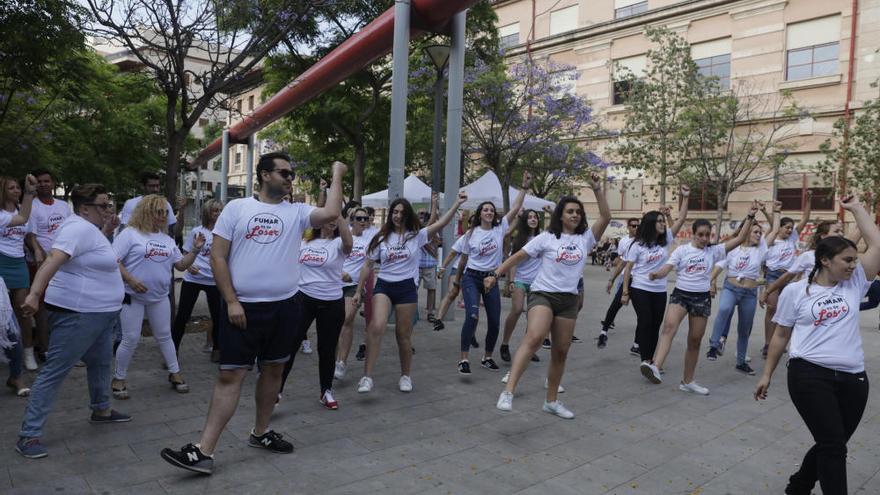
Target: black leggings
x=650 y=307
x=189 y=294
x=613 y=309
x=831 y=403
x=329 y=316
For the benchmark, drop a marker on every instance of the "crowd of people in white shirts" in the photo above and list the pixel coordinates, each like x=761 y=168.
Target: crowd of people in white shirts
x=93 y=282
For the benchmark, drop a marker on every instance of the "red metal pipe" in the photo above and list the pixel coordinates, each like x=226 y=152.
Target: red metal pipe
x=847 y=111
x=355 y=53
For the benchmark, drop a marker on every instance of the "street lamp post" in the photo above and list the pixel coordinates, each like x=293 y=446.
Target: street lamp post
x=439 y=55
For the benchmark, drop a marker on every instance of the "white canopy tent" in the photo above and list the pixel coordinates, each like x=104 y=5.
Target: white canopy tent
x=488 y=188
x=414 y=190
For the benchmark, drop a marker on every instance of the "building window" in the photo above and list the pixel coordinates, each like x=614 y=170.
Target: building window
x=250 y=102
x=508 y=35
x=217 y=166
x=237 y=157
x=792 y=198
x=704 y=197
x=718 y=66
x=812 y=48
x=238 y=106
x=627 y=72
x=563 y=20
x=628 y=8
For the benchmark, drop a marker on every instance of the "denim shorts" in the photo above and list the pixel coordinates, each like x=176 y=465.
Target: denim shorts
x=523 y=286
x=563 y=304
x=401 y=292
x=268 y=338
x=771 y=276
x=695 y=303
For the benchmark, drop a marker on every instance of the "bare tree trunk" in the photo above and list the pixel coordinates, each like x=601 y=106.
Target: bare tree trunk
x=719 y=213
x=663 y=172
x=172 y=167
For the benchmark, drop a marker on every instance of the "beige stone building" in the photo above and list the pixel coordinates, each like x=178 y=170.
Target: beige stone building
x=806 y=47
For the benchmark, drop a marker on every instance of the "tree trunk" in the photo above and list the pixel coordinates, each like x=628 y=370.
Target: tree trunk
x=663 y=172
x=172 y=168
x=505 y=191
x=360 y=158
x=719 y=214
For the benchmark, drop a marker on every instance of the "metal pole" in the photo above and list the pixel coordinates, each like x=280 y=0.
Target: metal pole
x=453 y=134
x=438 y=122
x=224 y=167
x=198 y=199
x=399 y=75
x=249 y=185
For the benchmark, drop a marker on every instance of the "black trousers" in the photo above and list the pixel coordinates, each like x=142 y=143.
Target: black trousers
x=613 y=309
x=328 y=317
x=831 y=403
x=650 y=308
x=189 y=294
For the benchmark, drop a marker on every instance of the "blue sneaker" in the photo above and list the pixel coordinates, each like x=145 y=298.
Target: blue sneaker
x=31 y=448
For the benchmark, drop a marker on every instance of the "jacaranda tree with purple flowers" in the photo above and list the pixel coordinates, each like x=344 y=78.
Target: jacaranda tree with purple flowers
x=526 y=116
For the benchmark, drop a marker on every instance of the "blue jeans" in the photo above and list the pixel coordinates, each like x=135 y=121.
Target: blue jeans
x=74 y=337
x=745 y=301
x=472 y=289
x=13 y=354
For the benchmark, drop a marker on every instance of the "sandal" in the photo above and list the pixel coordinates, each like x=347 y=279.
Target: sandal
x=20 y=390
x=179 y=386
x=119 y=393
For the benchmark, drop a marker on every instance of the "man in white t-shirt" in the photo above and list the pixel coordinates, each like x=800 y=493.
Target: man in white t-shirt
x=256 y=243
x=151 y=185
x=47 y=214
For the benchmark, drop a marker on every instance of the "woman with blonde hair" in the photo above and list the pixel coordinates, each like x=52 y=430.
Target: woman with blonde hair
x=198 y=278
x=146 y=255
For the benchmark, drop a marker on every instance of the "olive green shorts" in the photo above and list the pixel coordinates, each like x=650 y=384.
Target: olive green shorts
x=563 y=304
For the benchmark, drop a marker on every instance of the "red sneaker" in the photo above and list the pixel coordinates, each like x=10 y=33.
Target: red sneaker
x=328 y=400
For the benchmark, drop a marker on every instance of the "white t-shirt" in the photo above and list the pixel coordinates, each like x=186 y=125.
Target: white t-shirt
x=150 y=258
x=264 y=238
x=458 y=247
x=46 y=219
x=781 y=254
x=562 y=260
x=745 y=262
x=647 y=260
x=89 y=282
x=12 y=238
x=398 y=260
x=320 y=272
x=356 y=258
x=624 y=245
x=804 y=263
x=5 y=218
x=128 y=209
x=528 y=269
x=694 y=266
x=484 y=247
x=825 y=322
x=203 y=259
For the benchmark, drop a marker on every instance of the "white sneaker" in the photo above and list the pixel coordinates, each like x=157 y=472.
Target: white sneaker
x=558 y=409
x=365 y=384
x=30 y=363
x=650 y=371
x=748 y=359
x=694 y=388
x=505 y=401
x=307 y=347
x=559 y=390
x=405 y=384
x=339 y=372
x=505 y=377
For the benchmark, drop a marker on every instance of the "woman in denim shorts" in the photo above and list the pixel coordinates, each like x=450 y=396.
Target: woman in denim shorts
x=527 y=227
x=693 y=264
x=563 y=248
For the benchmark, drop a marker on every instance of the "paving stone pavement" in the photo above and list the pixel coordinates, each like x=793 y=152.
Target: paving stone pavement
x=446 y=437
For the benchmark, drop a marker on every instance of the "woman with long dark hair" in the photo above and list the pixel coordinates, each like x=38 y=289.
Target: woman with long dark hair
x=818 y=319
x=320 y=298
x=691 y=298
x=647 y=253
x=563 y=248
x=483 y=246
x=528 y=226
x=198 y=278
x=396 y=248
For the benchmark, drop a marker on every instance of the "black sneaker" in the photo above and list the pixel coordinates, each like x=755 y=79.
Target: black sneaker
x=546 y=344
x=602 y=341
x=362 y=352
x=464 y=368
x=505 y=353
x=535 y=358
x=712 y=355
x=438 y=325
x=606 y=326
x=114 y=417
x=634 y=350
x=576 y=340
x=271 y=441
x=745 y=368
x=489 y=364
x=190 y=458
x=431 y=318
x=474 y=343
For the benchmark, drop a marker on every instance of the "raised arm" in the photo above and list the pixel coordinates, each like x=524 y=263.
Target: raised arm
x=806 y=218
x=190 y=257
x=776 y=218
x=517 y=203
x=870 y=259
x=745 y=228
x=322 y=193
x=435 y=207
x=448 y=216
x=604 y=219
x=682 y=211
x=27 y=201
x=345 y=235
x=333 y=208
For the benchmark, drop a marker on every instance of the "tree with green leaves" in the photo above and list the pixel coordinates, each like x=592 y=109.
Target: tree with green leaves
x=651 y=140
x=859 y=149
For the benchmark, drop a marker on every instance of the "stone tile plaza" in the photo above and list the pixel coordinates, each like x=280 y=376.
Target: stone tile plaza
x=446 y=437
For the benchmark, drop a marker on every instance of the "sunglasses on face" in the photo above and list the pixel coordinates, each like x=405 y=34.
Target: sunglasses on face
x=633 y=225
x=361 y=219
x=284 y=173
